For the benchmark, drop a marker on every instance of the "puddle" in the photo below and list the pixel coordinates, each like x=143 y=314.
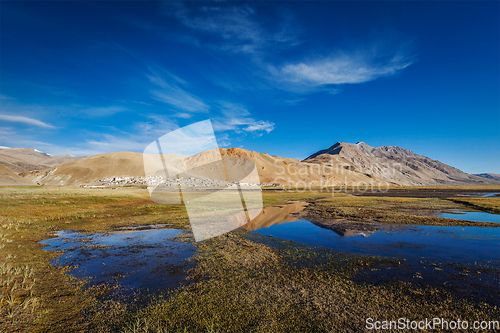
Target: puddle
x=471 y=216
x=481 y=194
x=458 y=244
x=147 y=260
x=145 y=227
x=465 y=260
x=462 y=260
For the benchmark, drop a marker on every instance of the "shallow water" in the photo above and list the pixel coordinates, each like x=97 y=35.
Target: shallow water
x=135 y=260
x=431 y=242
x=464 y=261
x=482 y=194
x=471 y=216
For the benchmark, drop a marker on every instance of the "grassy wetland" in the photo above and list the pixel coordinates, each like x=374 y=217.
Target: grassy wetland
x=396 y=210
x=242 y=281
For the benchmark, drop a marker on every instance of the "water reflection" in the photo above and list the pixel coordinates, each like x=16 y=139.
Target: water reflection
x=459 y=244
x=145 y=259
x=471 y=216
x=481 y=194
x=276 y=215
x=462 y=260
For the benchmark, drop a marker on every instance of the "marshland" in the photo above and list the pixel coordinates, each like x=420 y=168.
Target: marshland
x=84 y=260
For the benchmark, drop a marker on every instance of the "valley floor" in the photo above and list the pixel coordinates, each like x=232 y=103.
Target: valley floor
x=241 y=281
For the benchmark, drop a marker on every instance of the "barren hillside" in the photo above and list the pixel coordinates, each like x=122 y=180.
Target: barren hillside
x=342 y=164
x=271 y=169
x=9 y=177
x=491 y=176
x=21 y=159
x=394 y=164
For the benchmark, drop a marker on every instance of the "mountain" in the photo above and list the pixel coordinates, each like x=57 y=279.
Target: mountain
x=492 y=176
x=271 y=169
x=9 y=177
x=22 y=159
x=394 y=164
x=341 y=164
x=88 y=170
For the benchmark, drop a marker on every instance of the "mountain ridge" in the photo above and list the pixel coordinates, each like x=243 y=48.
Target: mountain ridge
x=395 y=164
x=340 y=164
x=26 y=159
x=271 y=169
x=493 y=176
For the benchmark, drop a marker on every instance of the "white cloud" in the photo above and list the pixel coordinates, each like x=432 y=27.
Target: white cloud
x=238 y=119
x=141 y=134
x=137 y=141
x=9 y=137
x=259 y=126
x=14 y=107
x=238 y=27
x=110 y=143
x=182 y=115
x=342 y=68
x=106 y=111
x=223 y=139
x=171 y=93
x=24 y=120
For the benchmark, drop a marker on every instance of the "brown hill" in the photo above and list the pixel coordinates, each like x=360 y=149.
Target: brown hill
x=88 y=170
x=21 y=159
x=9 y=177
x=271 y=169
x=394 y=164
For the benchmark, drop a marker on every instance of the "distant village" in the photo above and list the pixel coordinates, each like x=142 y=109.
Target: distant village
x=169 y=182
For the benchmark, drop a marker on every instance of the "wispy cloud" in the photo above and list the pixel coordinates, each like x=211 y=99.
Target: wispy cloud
x=238 y=27
x=11 y=138
x=171 y=93
x=106 y=111
x=167 y=87
x=110 y=143
x=24 y=120
x=12 y=108
x=141 y=134
x=238 y=119
x=342 y=68
x=259 y=126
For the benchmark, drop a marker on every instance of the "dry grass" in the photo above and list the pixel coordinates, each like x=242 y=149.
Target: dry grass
x=249 y=287
x=241 y=285
x=490 y=205
x=391 y=210
x=47 y=299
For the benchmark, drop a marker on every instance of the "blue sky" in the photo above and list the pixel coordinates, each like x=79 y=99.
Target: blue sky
x=286 y=78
